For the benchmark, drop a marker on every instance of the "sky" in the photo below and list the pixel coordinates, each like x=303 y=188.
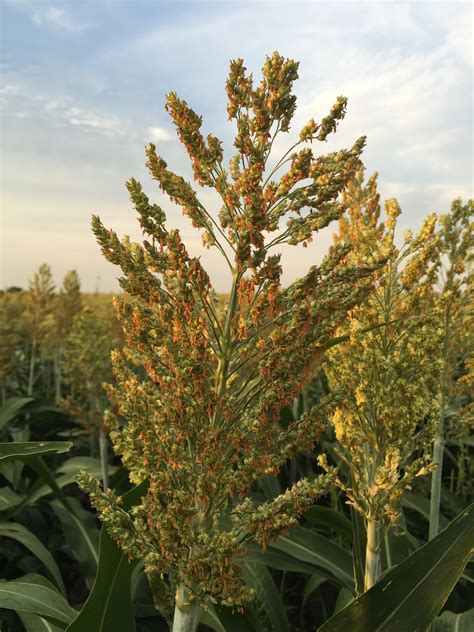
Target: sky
x=83 y=87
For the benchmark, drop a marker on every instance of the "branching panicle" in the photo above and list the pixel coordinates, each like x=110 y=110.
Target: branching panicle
x=201 y=386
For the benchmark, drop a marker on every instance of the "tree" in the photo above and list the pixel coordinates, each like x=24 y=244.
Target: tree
x=202 y=393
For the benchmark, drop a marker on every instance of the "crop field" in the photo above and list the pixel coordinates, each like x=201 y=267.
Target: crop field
x=281 y=457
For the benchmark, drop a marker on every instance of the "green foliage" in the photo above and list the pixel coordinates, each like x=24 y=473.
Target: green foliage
x=410 y=596
x=29 y=540
x=28 y=595
x=86 y=366
x=27 y=449
x=109 y=606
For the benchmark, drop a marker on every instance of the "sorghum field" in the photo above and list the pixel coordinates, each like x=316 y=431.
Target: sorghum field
x=279 y=458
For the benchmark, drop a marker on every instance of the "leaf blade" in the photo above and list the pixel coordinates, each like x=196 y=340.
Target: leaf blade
x=21 y=534
x=13 y=450
x=27 y=596
x=109 y=606
x=311 y=547
x=410 y=595
x=258 y=577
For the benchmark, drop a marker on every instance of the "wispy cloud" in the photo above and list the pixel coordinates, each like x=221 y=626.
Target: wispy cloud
x=86 y=118
x=159 y=134
x=405 y=67
x=49 y=15
x=18 y=101
x=57 y=18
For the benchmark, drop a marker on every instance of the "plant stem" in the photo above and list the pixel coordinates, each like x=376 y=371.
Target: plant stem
x=57 y=375
x=186 y=612
x=31 y=374
x=372 y=555
x=436 y=477
x=103 y=458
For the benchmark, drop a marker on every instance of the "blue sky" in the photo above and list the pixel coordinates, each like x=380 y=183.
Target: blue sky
x=83 y=89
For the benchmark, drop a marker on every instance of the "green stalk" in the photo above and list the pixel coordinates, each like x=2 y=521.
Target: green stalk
x=103 y=458
x=186 y=612
x=440 y=439
x=372 y=555
x=436 y=477
x=57 y=375
x=31 y=374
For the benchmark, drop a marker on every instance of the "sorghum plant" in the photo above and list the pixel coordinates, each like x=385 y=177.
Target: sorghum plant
x=87 y=366
x=38 y=315
x=385 y=422
x=455 y=313
x=68 y=306
x=203 y=400
x=10 y=337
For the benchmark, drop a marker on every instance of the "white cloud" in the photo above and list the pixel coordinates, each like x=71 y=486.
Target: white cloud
x=85 y=118
x=49 y=15
x=20 y=102
x=159 y=134
x=405 y=68
x=57 y=18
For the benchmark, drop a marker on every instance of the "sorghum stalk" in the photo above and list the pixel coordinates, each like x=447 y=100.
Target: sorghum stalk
x=104 y=458
x=57 y=374
x=186 y=614
x=31 y=371
x=372 y=554
x=438 y=444
x=436 y=478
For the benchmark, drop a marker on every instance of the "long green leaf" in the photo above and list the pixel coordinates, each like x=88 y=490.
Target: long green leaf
x=82 y=536
x=320 y=516
x=21 y=534
x=232 y=621
x=109 y=607
x=8 y=498
x=396 y=547
x=310 y=547
x=46 y=475
x=259 y=578
x=28 y=596
x=54 y=485
x=11 y=408
x=421 y=505
x=79 y=463
x=279 y=560
x=313 y=583
x=23 y=449
x=410 y=595
x=343 y=599
x=210 y=618
x=35 y=623
x=451 y=622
